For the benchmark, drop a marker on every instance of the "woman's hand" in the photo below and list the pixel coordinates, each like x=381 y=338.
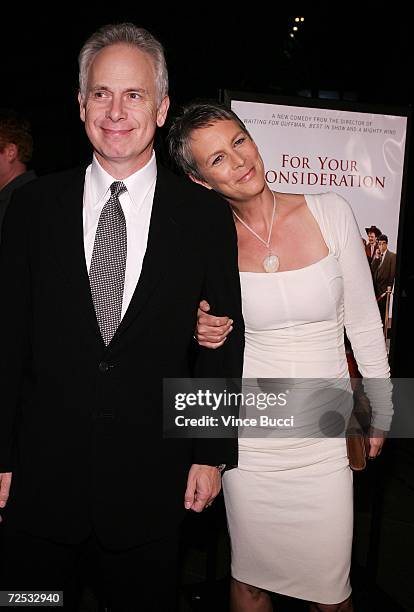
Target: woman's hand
x=375 y=446
x=211 y=331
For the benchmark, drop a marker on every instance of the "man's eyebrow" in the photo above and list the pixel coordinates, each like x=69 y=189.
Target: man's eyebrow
x=108 y=88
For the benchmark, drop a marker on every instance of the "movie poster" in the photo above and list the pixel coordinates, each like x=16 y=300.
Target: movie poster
x=359 y=155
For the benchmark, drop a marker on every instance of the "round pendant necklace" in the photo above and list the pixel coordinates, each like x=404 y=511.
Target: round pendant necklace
x=271 y=262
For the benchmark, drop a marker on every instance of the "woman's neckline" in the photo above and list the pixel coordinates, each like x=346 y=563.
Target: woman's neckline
x=309 y=204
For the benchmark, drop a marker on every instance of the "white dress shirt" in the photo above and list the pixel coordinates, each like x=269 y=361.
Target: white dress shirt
x=136 y=204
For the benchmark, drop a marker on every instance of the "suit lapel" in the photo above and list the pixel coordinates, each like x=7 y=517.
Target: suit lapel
x=69 y=244
x=163 y=238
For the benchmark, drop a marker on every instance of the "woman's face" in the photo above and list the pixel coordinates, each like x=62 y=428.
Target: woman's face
x=228 y=160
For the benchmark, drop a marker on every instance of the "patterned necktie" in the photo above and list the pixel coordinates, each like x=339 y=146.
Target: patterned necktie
x=107 y=271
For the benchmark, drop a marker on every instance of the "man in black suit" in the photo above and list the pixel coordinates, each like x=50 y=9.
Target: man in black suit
x=383 y=272
x=101 y=272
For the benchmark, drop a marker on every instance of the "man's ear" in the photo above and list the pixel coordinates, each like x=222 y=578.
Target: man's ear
x=196 y=180
x=12 y=152
x=81 y=107
x=162 y=111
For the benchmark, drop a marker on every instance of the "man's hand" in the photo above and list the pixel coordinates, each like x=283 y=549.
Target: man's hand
x=211 y=331
x=203 y=486
x=5 y=481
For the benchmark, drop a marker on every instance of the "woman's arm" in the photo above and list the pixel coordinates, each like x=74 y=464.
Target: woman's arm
x=361 y=316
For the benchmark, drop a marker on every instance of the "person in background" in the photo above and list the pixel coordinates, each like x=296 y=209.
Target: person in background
x=372 y=232
x=16 y=148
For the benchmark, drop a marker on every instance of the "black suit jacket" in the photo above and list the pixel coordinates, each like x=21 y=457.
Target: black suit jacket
x=86 y=419
x=7 y=191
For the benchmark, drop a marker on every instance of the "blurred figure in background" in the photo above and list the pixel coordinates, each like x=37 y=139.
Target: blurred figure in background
x=372 y=232
x=16 y=147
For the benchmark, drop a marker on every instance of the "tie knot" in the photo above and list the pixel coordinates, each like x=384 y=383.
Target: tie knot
x=117 y=187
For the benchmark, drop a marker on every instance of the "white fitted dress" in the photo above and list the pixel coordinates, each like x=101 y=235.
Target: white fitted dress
x=289 y=502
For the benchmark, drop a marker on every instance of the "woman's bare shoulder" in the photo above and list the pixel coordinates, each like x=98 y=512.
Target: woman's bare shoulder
x=290 y=202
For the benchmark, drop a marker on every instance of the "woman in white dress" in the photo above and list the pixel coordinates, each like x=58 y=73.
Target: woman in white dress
x=304 y=277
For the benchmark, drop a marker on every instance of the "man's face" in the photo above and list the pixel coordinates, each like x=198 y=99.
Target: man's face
x=372 y=238
x=383 y=246
x=120 y=109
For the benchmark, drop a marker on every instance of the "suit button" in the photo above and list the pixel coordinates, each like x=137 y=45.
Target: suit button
x=103 y=366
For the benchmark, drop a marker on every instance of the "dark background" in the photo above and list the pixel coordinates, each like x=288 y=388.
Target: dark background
x=354 y=57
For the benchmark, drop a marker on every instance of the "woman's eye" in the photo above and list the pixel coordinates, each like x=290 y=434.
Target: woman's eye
x=240 y=140
x=217 y=160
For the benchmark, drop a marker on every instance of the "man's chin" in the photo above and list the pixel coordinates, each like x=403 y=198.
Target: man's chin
x=111 y=155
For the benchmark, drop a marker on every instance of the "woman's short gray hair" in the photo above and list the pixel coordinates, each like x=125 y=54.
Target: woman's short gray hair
x=193 y=117
x=129 y=34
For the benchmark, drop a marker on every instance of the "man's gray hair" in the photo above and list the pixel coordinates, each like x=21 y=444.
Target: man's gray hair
x=129 y=34
x=195 y=116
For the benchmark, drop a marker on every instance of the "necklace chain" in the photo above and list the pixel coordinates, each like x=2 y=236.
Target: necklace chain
x=269 y=237
x=271 y=262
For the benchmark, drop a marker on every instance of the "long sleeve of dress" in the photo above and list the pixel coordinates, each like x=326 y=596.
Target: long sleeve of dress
x=361 y=314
